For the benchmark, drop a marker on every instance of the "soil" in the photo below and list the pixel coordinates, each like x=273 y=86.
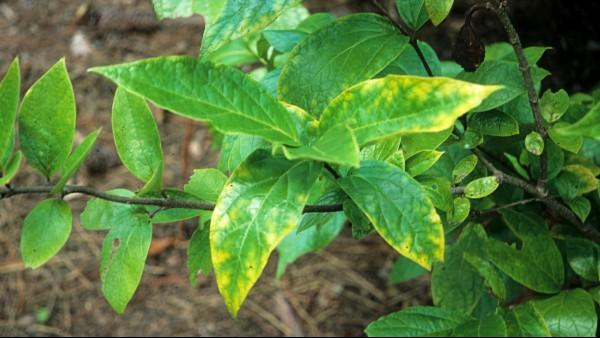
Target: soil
x=337 y=291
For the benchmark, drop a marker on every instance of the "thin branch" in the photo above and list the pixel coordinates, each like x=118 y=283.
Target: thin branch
x=7 y=192
x=513 y=204
x=499 y=8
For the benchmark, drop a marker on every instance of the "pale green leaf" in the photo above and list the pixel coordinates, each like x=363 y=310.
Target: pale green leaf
x=47 y=120
x=412 y=144
x=76 y=159
x=239 y=18
x=198 y=253
x=100 y=214
x=236 y=148
x=422 y=161
x=399 y=210
x=9 y=102
x=534 y=143
x=568 y=142
x=438 y=10
x=588 y=125
x=482 y=187
x=136 y=135
x=45 y=231
x=12 y=169
x=554 y=105
x=122 y=258
x=464 y=168
x=228 y=99
x=350 y=50
x=461 y=207
x=398 y=105
x=261 y=204
x=206 y=184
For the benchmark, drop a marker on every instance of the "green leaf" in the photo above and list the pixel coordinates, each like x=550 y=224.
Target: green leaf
x=404 y=270
x=494 y=123
x=381 y=150
x=588 y=125
x=314 y=238
x=464 y=168
x=454 y=283
x=581 y=206
x=595 y=293
x=517 y=166
x=225 y=97
x=206 y=184
x=534 y=143
x=556 y=161
x=100 y=214
x=567 y=142
x=538 y=265
x=136 y=136
x=12 y=169
x=438 y=190
x=336 y=145
x=461 y=207
x=482 y=187
x=233 y=23
x=584 y=258
x=554 y=105
x=350 y=50
x=438 y=10
x=491 y=275
x=497 y=72
x=412 y=12
x=315 y=22
x=172 y=215
x=412 y=144
x=198 y=253
x=525 y=321
x=9 y=102
x=184 y=8
x=47 y=120
x=236 y=148
x=261 y=204
x=284 y=41
x=422 y=161
x=45 y=231
x=399 y=210
x=361 y=226
x=122 y=258
x=75 y=160
x=417 y=321
x=235 y=53
x=400 y=105
x=409 y=62
x=571 y=313
x=491 y=326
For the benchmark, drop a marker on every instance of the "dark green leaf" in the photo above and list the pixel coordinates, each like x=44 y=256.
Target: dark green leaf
x=571 y=313
x=418 y=321
x=584 y=257
x=348 y=51
x=198 y=253
x=494 y=123
x=404 y=270
x=9 y=102
x=412 y=12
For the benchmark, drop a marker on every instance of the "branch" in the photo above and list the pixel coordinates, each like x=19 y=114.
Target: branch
x=541 y=195
x=166 y=203
x=499 y=8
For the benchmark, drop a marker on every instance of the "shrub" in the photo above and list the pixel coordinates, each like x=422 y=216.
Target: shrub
x=459 y=166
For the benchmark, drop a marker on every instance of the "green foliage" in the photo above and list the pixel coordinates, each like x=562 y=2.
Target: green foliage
x=338 y=123
x=47 y=121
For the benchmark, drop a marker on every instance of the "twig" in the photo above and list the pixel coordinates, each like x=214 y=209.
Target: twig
x=159 y=202
x=513 y=204
x=499 y=8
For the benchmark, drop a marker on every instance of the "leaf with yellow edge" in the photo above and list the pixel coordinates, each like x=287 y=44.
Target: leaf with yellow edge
x=260 y=205
x=402 y=105
x=399 y=209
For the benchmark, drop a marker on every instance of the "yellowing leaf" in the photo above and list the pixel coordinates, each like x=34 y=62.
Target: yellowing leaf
x=260 y=205
x=402 y=105
x=399 y=209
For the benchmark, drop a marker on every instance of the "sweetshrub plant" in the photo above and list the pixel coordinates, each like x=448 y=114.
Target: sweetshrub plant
x=459 y=166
